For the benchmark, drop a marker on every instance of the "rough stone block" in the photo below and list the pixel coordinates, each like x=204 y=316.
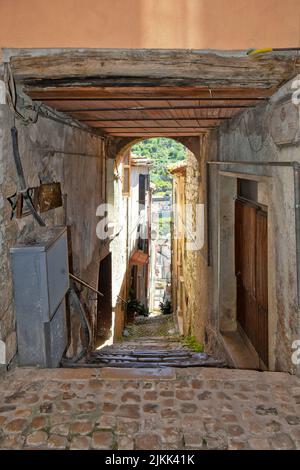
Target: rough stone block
x=148 y=441
x=37 y=439
x=102 y=440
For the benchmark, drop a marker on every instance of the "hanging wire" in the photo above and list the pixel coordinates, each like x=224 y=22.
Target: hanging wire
x=37 y=108
x=12 y=98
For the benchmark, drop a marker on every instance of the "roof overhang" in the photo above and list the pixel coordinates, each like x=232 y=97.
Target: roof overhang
x=146 y=93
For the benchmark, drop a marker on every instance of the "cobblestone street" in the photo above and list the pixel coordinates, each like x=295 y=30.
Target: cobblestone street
x=193 y=408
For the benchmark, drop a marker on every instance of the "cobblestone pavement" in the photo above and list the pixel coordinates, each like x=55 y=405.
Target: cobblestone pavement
x=158 y=325
x=193 y=408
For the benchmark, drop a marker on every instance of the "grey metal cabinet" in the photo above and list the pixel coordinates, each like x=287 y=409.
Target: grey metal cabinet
x=41 y=280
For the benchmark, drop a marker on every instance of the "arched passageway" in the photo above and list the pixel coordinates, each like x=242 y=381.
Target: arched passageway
x=91 y=105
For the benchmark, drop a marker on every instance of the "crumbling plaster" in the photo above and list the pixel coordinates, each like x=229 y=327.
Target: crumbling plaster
x=264 y=134
x=51 y=151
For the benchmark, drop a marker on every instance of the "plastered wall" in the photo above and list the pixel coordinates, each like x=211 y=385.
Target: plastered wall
x=177 y=24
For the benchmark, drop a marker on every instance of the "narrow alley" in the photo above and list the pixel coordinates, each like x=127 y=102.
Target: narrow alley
x=152 y=342
x=150 y=225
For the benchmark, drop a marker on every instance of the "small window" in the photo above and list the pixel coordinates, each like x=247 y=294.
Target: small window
x=143 y=182
x=247 y=189
x=126 y=175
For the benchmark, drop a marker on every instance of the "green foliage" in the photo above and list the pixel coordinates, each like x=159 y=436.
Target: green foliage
x=164 y=153
x=165 y=307
x=164 y=226
x=192 y=343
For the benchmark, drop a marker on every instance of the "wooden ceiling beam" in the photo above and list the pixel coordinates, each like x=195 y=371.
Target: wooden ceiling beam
x=108 y=128
x=147 y=99
x=152 y=119
x=165 y=129
x=157 y=93
x=157 y=108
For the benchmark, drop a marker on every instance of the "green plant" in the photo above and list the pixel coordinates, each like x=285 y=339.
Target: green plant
x=165 y=307
x=192 y=343
x=144 y=311
x=134 y=305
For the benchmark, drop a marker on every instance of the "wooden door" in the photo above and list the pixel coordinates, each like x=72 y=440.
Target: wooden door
x=251 y=265
x=104 y=306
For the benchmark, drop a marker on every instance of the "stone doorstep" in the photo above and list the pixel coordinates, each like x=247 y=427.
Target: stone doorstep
x=148 y=374
x=238 y=354
x=166 y=373
x=3 y=370
x=59 y=373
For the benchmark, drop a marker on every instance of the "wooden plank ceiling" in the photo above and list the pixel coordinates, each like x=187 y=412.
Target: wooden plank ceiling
x=137 y=111
x=151 y=93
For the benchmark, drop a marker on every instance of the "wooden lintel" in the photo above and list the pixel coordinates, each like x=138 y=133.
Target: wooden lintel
x=147 y=66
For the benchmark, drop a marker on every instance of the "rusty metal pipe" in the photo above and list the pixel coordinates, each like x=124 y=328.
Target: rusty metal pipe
x=77 y=279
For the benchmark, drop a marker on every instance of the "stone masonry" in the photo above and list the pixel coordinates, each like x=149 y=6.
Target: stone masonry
x=198 y=408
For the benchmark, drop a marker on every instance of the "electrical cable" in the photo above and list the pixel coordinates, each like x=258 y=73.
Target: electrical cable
x=12 y=98
x=73 y=298
x=51 y=114
x=20 y=172
x=38 y=108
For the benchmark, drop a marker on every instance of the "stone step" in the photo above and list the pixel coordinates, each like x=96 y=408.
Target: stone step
x=139 y=353
x=160 y=365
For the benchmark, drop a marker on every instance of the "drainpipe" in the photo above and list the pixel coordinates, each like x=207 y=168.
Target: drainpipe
x=297 y=222
x=208 y=259
x=296 y=169
x=127 y=270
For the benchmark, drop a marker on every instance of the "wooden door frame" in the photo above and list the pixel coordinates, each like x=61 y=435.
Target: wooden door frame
x=227 y=193
x=259 y=209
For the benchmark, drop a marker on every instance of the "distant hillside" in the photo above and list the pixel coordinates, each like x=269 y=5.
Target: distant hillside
x=163 y=152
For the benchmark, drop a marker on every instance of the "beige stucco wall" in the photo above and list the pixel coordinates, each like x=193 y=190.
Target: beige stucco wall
x=197 y=24
x=118 y=215
x=124 y=213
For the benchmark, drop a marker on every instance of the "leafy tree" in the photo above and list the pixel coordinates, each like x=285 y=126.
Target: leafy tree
x=163 y=152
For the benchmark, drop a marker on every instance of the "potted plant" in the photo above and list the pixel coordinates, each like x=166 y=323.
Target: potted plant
x=165 y=307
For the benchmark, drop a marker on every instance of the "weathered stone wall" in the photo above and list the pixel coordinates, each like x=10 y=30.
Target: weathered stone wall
x=118 y=244
x=51 y=151
x=196 y=272
x=191 y=265
x=193 y=309
x=267 y=133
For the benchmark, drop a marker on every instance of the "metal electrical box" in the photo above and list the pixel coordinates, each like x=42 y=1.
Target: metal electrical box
x=41 y=280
